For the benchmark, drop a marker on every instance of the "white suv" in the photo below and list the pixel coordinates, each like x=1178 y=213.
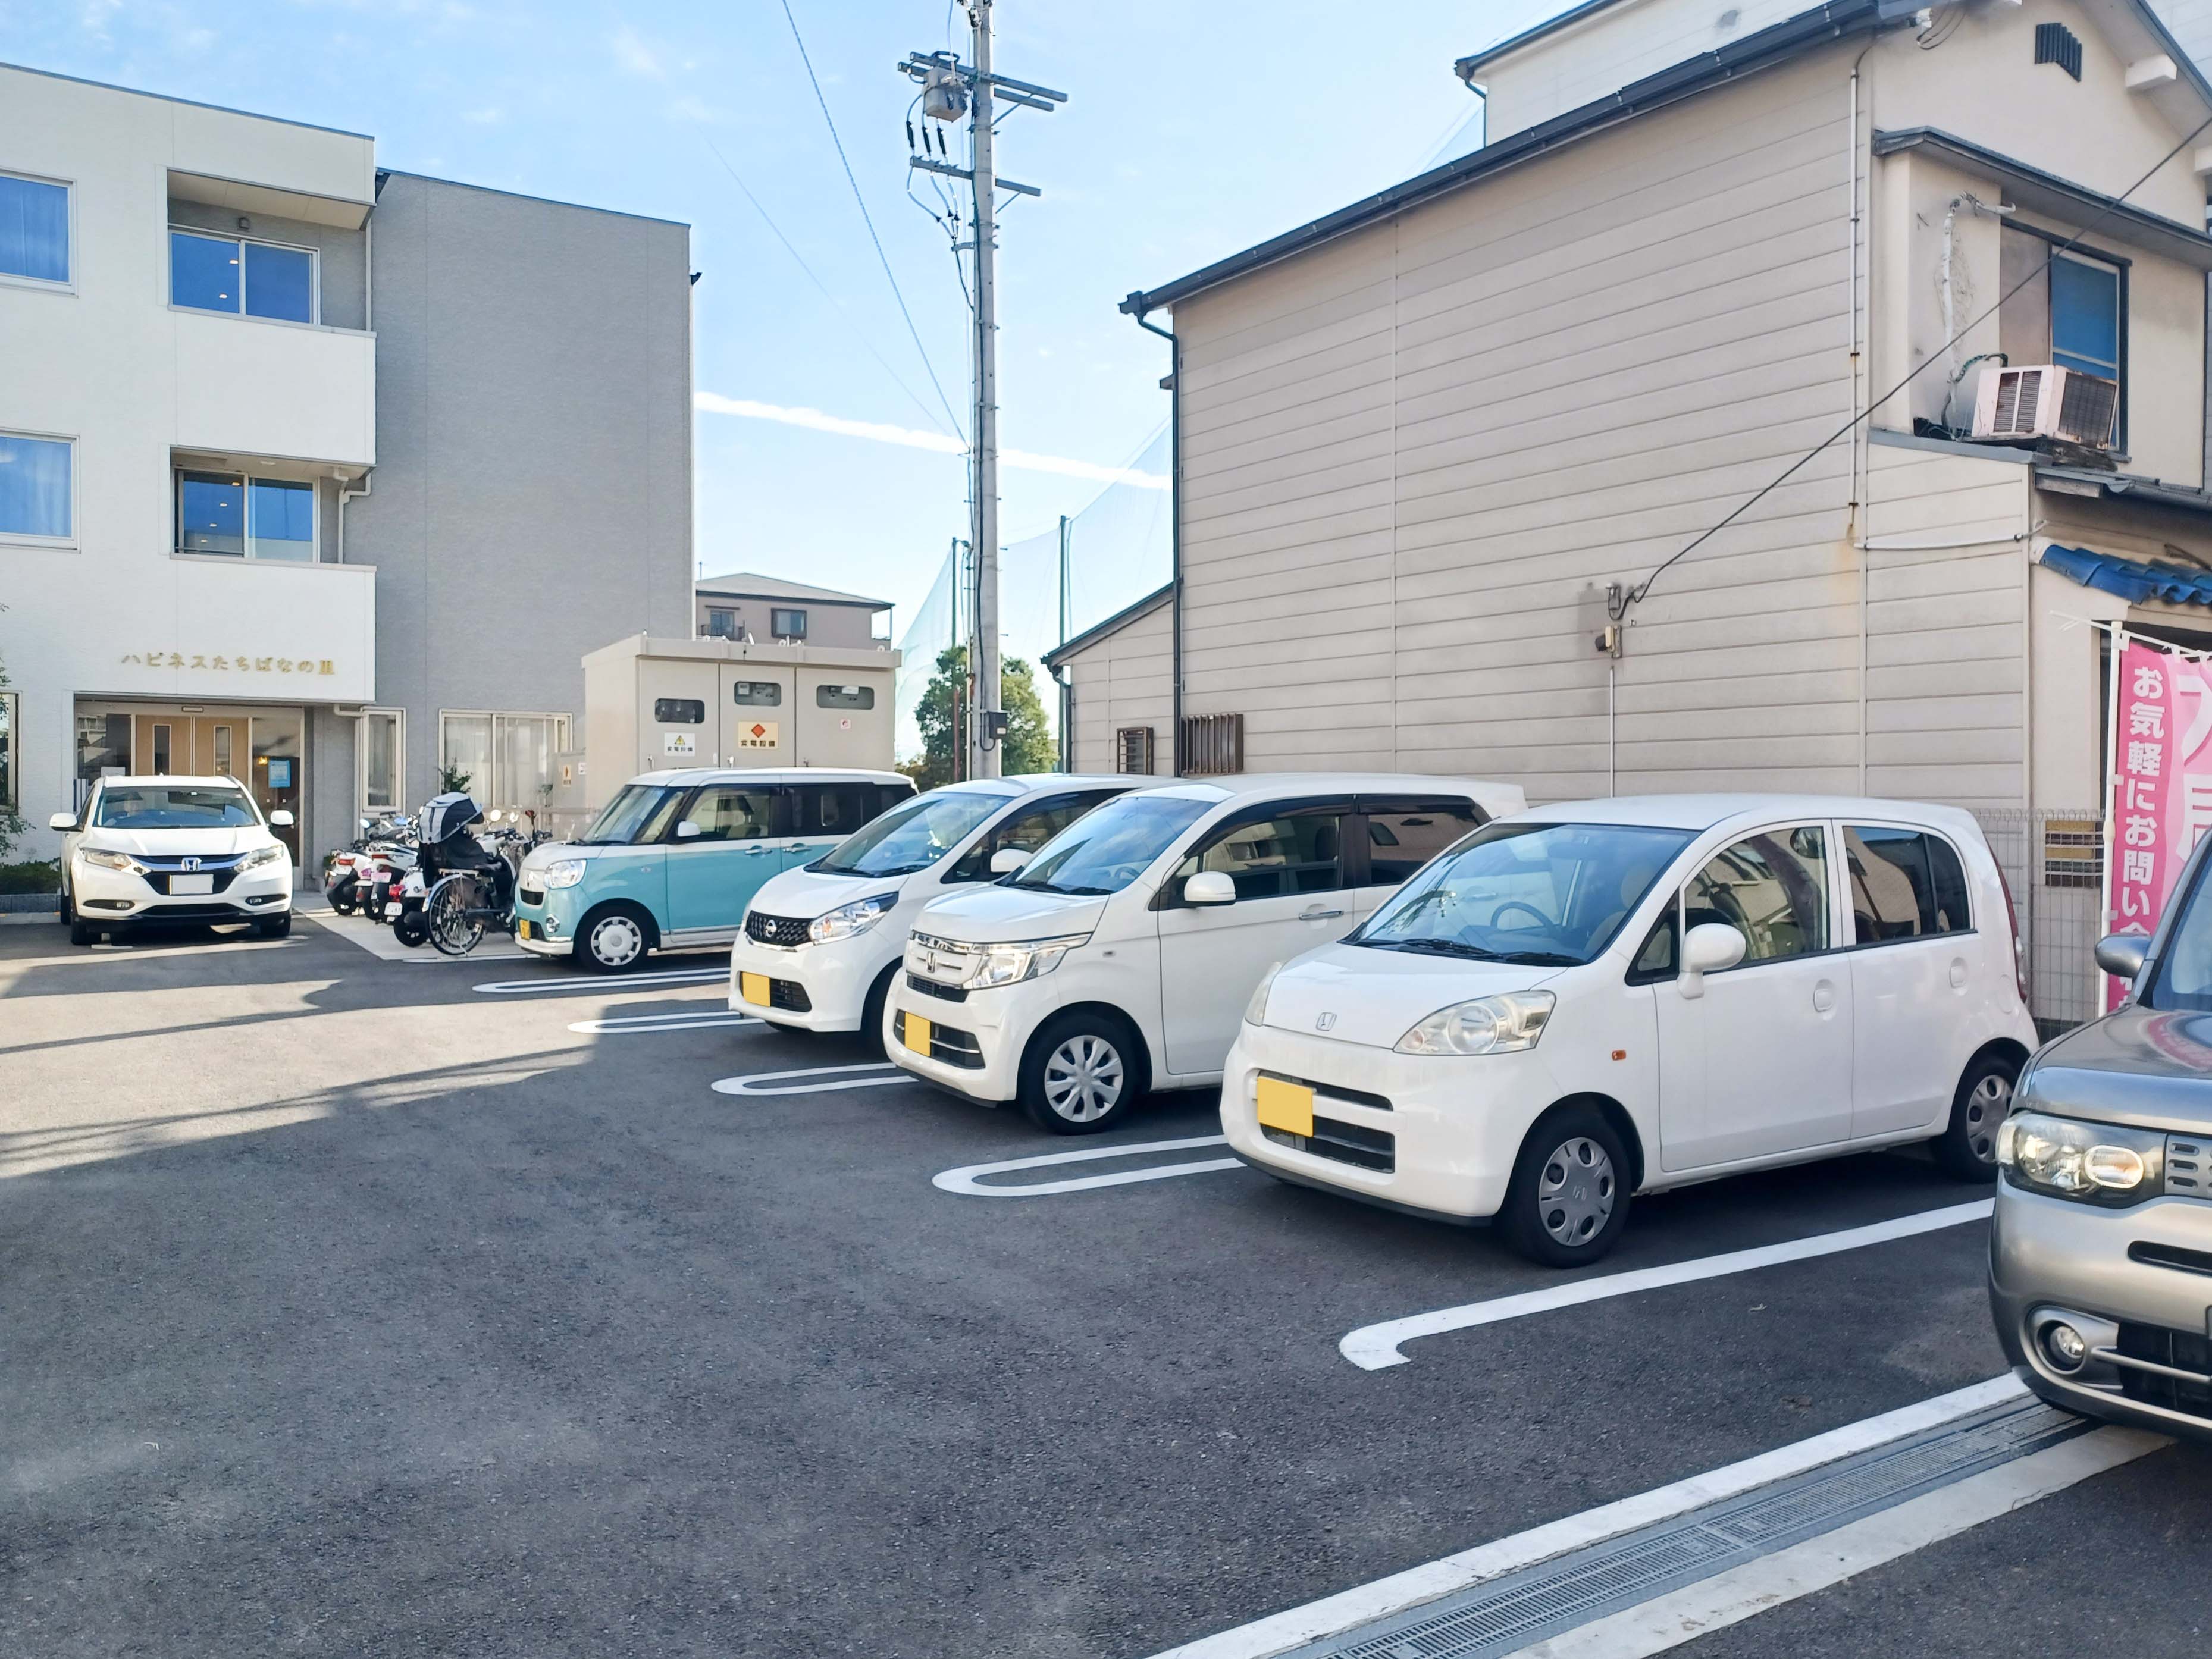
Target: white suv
x=163 y=850
x=1120 y=956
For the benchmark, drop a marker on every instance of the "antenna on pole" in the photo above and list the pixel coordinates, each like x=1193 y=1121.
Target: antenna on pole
x=950 y=90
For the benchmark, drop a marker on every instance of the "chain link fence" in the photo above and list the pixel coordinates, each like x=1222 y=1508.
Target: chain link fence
x=2053 y=858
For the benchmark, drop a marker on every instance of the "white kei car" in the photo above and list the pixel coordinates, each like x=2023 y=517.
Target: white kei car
x=1119 y=958
x=815 y=953
x=156 y=851
x=1602 y=998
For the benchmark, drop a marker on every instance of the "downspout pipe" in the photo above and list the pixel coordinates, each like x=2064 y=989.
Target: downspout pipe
x=1135 y=306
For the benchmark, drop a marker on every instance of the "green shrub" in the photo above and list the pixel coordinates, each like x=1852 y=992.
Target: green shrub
x=32 y=876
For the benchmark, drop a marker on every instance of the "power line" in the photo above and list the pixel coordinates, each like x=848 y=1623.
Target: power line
x=860 y=202
x=927 y=413
x=1635 y=595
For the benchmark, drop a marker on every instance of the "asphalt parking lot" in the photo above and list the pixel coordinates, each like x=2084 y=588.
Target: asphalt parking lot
x=365 y=1306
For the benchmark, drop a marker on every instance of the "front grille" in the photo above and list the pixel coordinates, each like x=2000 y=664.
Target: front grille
x=530 y=896
x=951 y=1047
x=789 y=996
x=784 y=931
x=162 y=872
x=189 y=913
x=2181 y=1351
x=2188 y=1167
x=1345 y=1143
x=930 y=987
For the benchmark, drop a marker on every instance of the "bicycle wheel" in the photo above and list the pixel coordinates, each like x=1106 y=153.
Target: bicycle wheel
x=453 y=915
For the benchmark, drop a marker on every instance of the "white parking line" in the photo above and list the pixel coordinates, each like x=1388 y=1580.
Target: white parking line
x=963 y=1181
x=1372 y=1348
x=625 y=1024
x=1281 y=1631
x=610 y=985
x=780 y=1082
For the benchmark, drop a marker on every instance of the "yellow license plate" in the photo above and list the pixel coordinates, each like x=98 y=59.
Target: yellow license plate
x=753 y=987
x=917 y=1035
x=522 y=930
x=1286 y=1106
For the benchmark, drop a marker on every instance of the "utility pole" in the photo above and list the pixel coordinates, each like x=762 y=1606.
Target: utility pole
x=948 y=90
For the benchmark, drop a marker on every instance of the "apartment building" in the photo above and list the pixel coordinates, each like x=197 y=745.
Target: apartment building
x=314 y=473
x=769 y=610
x=1433 y=446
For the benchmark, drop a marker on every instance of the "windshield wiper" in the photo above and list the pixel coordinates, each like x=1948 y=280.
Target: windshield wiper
x=1073 y=892
x=1538 y=958
x=1443 y=947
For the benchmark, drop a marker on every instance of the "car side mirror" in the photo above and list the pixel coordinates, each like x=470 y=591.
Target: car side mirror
x=281 y=818
x=1210 y=887
x=1710 y=947
x=1007 y=859
x=687 y=830
x=2123 y=955
x=63 y=822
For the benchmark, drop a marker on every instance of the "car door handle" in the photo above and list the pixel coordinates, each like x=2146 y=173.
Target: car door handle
x=1318 y=915
x=756 y=851
x=1824 y=997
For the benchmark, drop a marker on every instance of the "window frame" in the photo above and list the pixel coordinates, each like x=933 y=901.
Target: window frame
x=779 y=814
x=1965 y=871
x=247 y=484
x=241 y=239
x=1144 y=743
x=719 y=613
x=26 y=538
x=564 y=740
x=67 y=284
x=1697 y=859
x=2121 y=265
x=1343 y=807
x=781 y=634
x=398 y=719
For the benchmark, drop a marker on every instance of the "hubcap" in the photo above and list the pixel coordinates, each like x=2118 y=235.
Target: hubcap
x=1574 y=1196
x=1987 y=1108
x=1083 y=1079
x=617 y=941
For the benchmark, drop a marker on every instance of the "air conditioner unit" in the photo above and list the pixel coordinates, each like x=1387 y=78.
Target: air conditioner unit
x=2045 y=401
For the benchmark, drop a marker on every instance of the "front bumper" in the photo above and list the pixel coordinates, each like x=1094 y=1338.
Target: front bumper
x=105 y=897
x=833 y=980
x=2051 y=1258
x=1431 y=1135
x=547 y=926
x=977 y=1041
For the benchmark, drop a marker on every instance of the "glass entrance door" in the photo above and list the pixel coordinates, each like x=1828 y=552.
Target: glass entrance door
x=276 y=782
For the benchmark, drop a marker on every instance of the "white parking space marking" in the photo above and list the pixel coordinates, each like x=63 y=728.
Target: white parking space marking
x=626 y=1024
x=1730 y=1597
x=965 y=1181
x=1372 y=1348
x=609 y=985
x=1281 y=1631
x=860 y=1075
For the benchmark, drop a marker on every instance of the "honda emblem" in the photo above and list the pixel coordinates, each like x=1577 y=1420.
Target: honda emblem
x=1324 y=1022
x=192 y=864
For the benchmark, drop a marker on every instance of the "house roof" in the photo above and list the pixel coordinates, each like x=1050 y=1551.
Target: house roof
x=744 y=585
x=1113 y=624
x=2136 y=580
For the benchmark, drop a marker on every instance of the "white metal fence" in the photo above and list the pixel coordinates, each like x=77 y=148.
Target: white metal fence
x=2054 y=861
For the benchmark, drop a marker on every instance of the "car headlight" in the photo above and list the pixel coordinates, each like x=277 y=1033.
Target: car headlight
x=102 y=859
x=259 y=856
x=1009 y=964
x=848 y=920
x=1255 y=1011
x=1489 y=1025
x=2091 y=1162
x=561 y=873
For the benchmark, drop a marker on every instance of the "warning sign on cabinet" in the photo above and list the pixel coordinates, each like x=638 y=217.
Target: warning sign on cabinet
x=758 y=734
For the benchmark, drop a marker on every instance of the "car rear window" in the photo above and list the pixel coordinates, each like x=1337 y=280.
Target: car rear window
x=1905 y=883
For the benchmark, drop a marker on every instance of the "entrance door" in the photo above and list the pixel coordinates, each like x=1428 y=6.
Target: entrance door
x=755 y=716
x=1761 y=1063
x=278 y=783
x=161 y=745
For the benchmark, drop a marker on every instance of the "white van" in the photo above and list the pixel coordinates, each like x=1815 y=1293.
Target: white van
x=1604 y=998
x=1119 y=958
x=821 y=942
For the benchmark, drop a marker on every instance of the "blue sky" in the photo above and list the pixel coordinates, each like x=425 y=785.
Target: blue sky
x=1191 y=130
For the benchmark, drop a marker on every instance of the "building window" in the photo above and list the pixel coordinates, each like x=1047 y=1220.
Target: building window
x=756 y=694
x=1211 y=744
x=2070 y=312
x=509 y=759
x=721 y=625
x=1132 y=751
x=844 y=696
x=10 y=793
x=2085 y=316
x=227 y=513
x=38 y=488
x=383 y=758
x=787 y=625
x=237 y=275
x=678 y=711
x=35 y=228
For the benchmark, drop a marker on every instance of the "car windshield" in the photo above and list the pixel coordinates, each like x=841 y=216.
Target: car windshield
x=175 y=806
x=1547 y=895
x=638 y=813
x=913 y=835
x=1104 y=851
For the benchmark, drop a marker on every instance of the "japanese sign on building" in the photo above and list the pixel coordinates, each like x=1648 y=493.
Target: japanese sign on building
x=224 y=662
x=760 y=734
x=2161 y=754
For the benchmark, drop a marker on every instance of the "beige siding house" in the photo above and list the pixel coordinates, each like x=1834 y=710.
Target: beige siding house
x=1115 y=706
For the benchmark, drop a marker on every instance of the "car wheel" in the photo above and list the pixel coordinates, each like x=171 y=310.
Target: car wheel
x=274 y=926
x=613 y=940
x=1568 y=1198
x=1080 y=1074
x=1967 y=1148
x=83 y=932
x=871 y=1013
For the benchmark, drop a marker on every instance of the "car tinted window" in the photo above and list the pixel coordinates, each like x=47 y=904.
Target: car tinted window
x=914 y=834
x=726 y=813
x=1298 y=853
x=1905 y=883
x=163 y=807
x=1772 y=888
x=1400 y=842
x=831 y=809
x=1655 y=960
x=1025 y=831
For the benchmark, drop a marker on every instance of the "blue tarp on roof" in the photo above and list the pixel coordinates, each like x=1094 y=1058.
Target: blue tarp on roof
x=2133 y=580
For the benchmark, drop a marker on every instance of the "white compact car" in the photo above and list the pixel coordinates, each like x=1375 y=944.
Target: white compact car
x=815 y=953
x=1605 y=998
x=161 y=850
x=1120 y=958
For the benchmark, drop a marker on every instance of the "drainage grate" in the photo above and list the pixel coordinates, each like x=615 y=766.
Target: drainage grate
x=1510 y=1612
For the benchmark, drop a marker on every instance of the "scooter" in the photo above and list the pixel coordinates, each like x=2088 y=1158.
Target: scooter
x=343 y=873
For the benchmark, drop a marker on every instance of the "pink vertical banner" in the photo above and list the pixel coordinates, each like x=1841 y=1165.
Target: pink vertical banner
x=2161 y=750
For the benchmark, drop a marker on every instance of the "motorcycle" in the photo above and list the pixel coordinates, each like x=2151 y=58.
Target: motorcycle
x=343 y=873
x=387 y=862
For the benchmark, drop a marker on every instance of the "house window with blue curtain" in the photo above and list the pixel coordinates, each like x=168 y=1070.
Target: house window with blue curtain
x=35 y=228
x=2085 y=316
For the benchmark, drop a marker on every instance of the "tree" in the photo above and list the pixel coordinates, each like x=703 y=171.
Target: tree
x=1028 y=744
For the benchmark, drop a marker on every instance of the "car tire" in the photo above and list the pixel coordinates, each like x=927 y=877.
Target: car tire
x=871 y=1013
x=1967 y=1148
x=613 y=939
x=1080 y=1074
x=273 y=927
x=81 y=931
x=1567 y=1200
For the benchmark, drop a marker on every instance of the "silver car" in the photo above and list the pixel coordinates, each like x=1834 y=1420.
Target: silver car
x=2100 y=1250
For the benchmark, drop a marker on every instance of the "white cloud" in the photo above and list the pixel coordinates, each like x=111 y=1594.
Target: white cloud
x=713 y=403
x=634 y=55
